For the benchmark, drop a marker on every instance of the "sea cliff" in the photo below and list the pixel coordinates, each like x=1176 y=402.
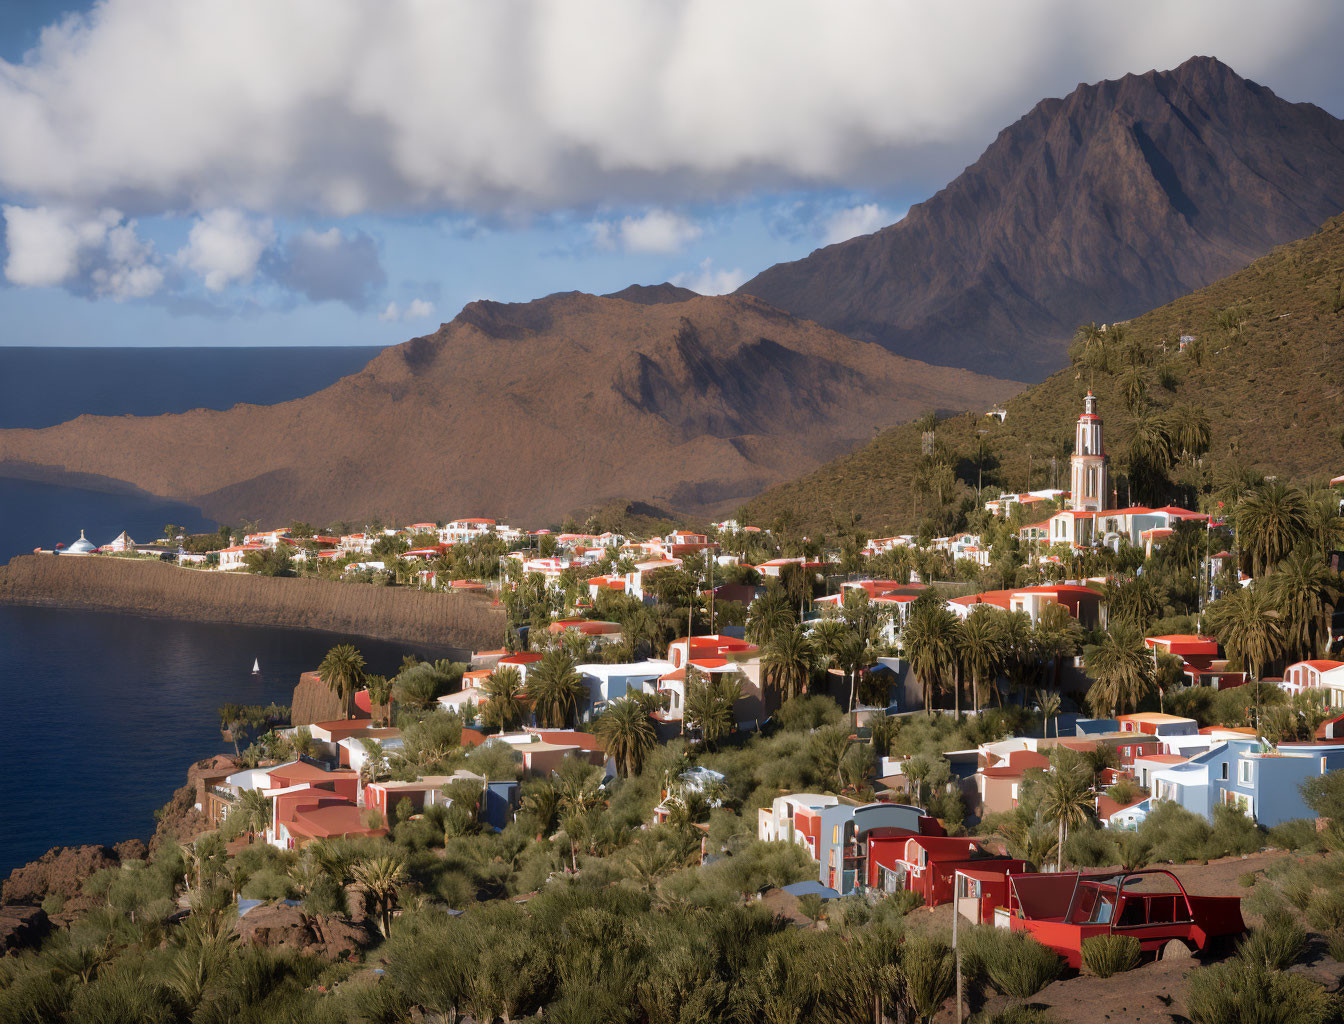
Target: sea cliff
x=143 y=587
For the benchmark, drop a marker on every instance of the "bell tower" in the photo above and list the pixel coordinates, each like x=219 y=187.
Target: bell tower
x=1088 y=462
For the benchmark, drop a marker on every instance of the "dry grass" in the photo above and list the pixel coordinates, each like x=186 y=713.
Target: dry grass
x=154 y=588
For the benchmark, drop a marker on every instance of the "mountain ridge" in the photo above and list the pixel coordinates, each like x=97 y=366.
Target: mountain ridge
x=1264 y=367
x=527 y=411
x=1112 y=200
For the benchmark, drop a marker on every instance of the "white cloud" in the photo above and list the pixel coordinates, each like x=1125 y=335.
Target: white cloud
x=708 y=280
x=417 y=309
x=157 y=105
x=225 y=246
x=659 y=231
x=856 y=220
x=89 y=253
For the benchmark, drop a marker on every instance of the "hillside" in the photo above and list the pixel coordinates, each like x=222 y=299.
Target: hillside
x=525 y=412
x=153 y=588
x=1273 y=391
x=1121 y=196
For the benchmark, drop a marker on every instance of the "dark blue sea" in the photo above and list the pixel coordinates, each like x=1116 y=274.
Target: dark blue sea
x=104 y=712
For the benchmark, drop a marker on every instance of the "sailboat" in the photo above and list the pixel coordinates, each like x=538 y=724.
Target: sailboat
x=256 y=666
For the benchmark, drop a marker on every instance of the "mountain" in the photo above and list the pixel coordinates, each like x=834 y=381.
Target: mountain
x=1120 y=197
x=1265 y=367
x=525 y=412
x=653 y=294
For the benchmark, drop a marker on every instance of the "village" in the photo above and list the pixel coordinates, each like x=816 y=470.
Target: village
x=1144 y=689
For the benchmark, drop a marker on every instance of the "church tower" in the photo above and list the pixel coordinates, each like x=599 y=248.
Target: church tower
x=1088 y=463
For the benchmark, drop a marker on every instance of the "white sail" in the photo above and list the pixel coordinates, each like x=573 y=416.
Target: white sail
x=256 y=666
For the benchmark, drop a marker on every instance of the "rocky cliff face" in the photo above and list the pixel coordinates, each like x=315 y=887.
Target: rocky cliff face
x=1120 y=197
x=528 y=411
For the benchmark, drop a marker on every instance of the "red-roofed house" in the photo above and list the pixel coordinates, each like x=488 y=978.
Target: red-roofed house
x=998 y=786
x=1197 y=652
x=1323 y=674
x=926 y=864
x=300 y=815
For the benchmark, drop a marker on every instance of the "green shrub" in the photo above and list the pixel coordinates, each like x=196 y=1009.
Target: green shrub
x=53 y=903
x=1238 y=991
x=1325 y=911
x=1334 y=942
x=1089 y=848
x=1013 y=962
x=1276 y=944
x=1298 y=835
x=930 y=972
x=1247 y=880
x=1134 y=852
x=1105 y=955
x=268 y=884
x=1018 y=1013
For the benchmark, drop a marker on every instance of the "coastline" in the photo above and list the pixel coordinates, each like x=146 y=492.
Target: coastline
x=143 y=587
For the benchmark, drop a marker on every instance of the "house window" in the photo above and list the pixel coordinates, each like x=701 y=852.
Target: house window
x=1224 y=770
x=1244 y=772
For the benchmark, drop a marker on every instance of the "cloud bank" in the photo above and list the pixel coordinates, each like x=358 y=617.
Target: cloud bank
x=150 y=106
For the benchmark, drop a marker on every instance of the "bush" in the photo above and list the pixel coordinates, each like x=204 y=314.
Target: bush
x=1334 y=942
x=1089 y=848
x=1298 y=835
x=53 y=903
x=1247 y=880
x=1276 y=944
x=1018 y=1013
x=1237 y=991
x=805 y=713
x=930 y=972
x=1134 y=851
x=1105 y=955
x=1325 y=912
x=1013 y=962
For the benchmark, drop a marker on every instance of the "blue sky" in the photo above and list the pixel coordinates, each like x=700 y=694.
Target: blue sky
x=297 y=172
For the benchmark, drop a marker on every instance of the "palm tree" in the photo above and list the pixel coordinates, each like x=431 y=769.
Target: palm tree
x=556 y=690
x=1056 y=636
x=1271 y=520
x=929 y=642
x=1249 y=627
x=1048 y=704
x=981 y=646
x=253 y=811
x=827 y=637
x=343 y=671
x=1150 y=456
x=629 y=734
x=380 y=693
x=709 y=706
x=380 y=877
x=1305 y=591
x=1134 y=388
x=1121 y=669
x=769 y=614
x=788 y=656
x=853 y=656
x=505 y=699
x=1067 y=797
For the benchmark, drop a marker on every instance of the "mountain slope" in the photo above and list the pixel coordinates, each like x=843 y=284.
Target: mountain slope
x=1273 y=391
x=525 y=412
x=653 y=294
x=1115 y=199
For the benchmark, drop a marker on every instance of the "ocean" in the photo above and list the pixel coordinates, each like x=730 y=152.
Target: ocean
x=105 y=712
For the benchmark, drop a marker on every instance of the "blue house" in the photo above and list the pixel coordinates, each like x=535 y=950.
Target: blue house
x=845 y=830
x=1262 y=781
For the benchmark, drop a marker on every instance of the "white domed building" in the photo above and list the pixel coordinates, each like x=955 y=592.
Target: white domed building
x=83 y=546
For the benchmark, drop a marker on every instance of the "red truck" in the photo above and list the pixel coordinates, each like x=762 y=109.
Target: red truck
x=1061 y=910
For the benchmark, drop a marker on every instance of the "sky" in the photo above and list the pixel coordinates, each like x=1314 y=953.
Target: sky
x=301 y=172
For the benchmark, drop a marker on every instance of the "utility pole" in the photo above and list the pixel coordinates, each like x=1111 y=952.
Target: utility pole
x=956 y=949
